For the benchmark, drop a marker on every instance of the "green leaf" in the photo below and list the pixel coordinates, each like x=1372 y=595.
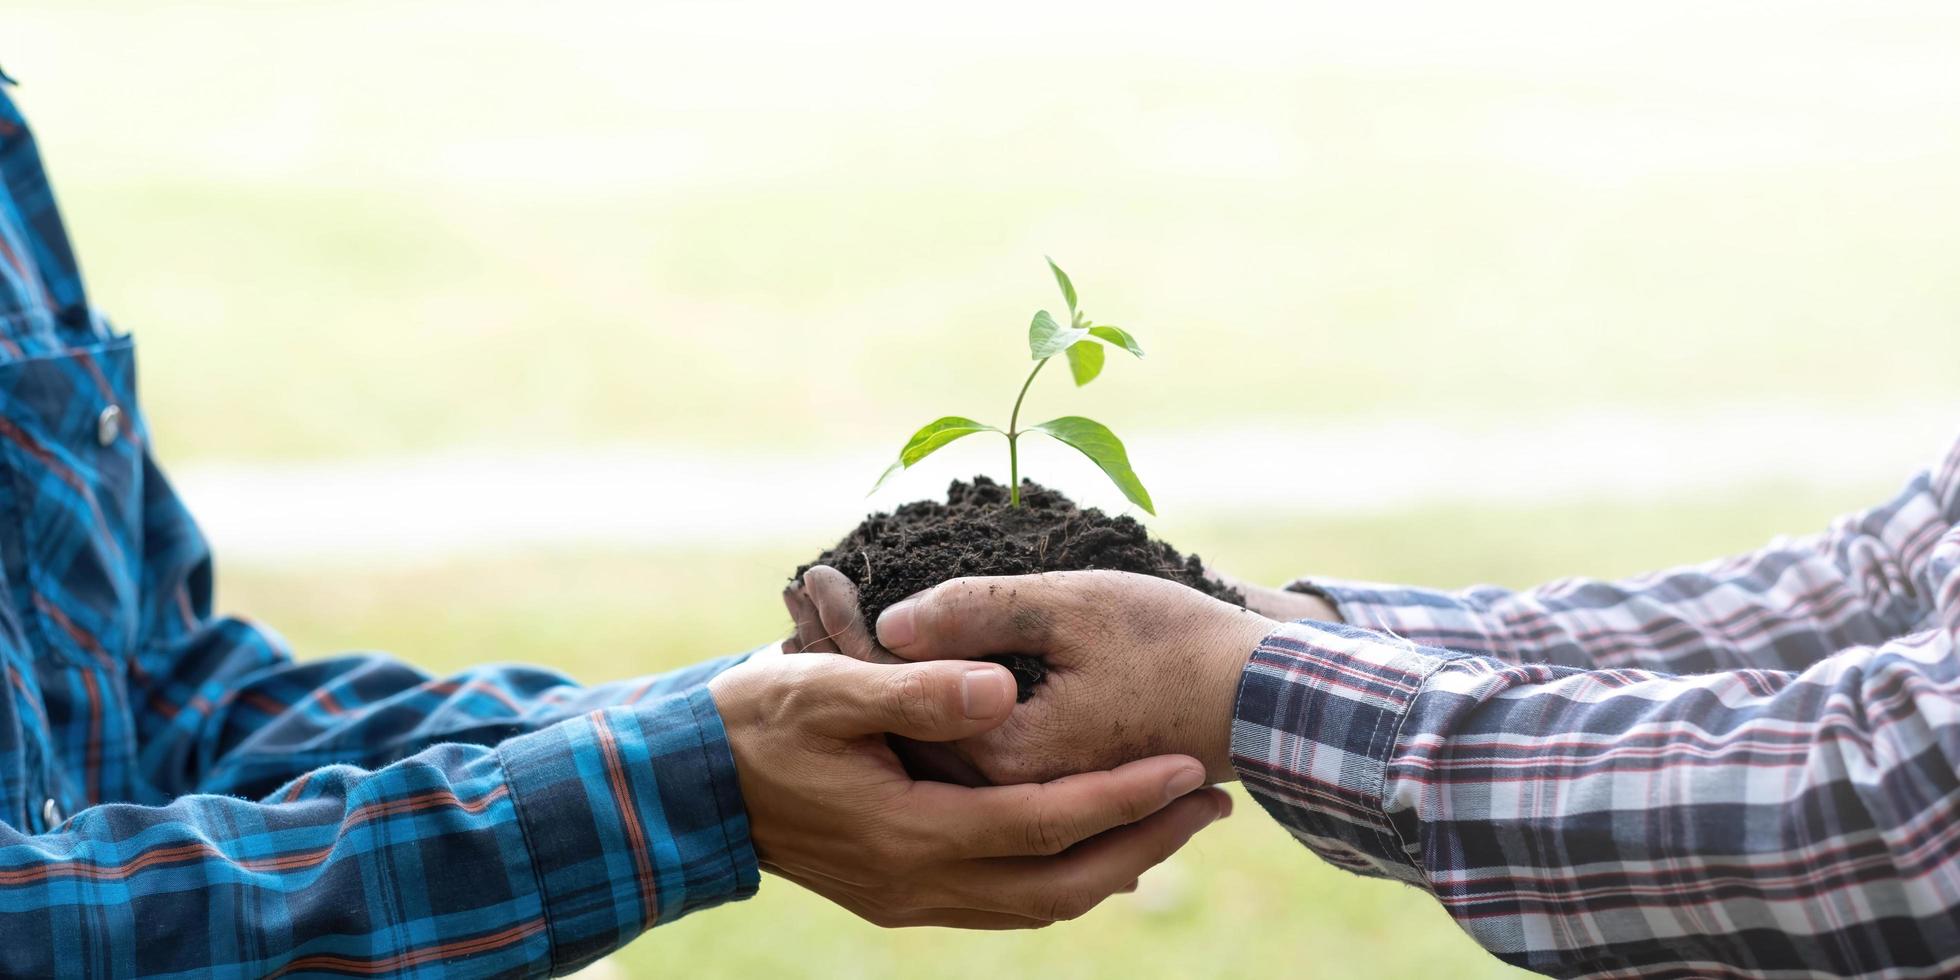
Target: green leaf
x=1094 y=440
x=1046 y=338
x=1085 y=361
x=928 y=439
x=1118 y=336
x=938 y=433
x=1061 y=279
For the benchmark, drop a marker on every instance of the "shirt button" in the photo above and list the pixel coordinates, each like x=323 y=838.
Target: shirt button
x=51 y=813
x=108 y=426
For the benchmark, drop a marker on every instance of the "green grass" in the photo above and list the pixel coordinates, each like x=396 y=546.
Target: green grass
x=1243 y=900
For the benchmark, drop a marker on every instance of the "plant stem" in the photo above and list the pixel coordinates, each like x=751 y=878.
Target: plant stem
x=1014 y=436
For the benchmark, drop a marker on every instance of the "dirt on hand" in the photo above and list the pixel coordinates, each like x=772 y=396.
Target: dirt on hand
x=975 y=532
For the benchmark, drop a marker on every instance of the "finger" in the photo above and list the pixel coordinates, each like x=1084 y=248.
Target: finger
x=809 y=636
x=873 y=908
x=968 y=618
x=1068 y=886
x=835 y=599
x=935 y=702
x=964 y=919
x=1034 y=819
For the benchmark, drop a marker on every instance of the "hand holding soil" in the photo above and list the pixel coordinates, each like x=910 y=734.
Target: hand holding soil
x=1136 y=666
x=831 y=809
x=980 y=531
x=824 y=605
x=1133 y=665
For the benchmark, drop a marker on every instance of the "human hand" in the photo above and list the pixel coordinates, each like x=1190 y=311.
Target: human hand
x=824 y=606
x=1137 y=666
x=831 y=808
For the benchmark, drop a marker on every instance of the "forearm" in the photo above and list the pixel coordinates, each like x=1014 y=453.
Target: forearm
x=242 y=719
x=511 y=860
x=1868 y=578
x=1627 y=822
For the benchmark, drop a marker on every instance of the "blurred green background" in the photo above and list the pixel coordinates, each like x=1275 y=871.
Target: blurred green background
x=362 y=230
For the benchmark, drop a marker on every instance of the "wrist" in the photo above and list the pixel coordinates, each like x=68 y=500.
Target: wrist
x=1223 y=667
x=1313 y=602
x=1297 y=601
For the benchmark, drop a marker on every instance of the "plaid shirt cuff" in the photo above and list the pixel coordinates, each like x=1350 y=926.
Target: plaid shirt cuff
x=1320 y=709
x=1428 y=617
x=634 y=818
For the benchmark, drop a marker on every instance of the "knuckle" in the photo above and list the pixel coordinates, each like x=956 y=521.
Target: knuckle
x=1049 y=833
x=1134 y=805
x=786 y=698
x=911 y=694
x=941 y=610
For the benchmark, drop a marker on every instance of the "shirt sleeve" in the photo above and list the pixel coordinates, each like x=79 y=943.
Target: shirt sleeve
x=355 y=814
x=226 y=708
x=536 y=855
x=503 y=817
x=1866 y=579
x=1630 y=823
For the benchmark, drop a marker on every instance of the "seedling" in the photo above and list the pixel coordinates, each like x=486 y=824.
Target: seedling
x=1081 y=342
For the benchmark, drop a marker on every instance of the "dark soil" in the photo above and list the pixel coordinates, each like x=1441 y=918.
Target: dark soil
x=923 y=543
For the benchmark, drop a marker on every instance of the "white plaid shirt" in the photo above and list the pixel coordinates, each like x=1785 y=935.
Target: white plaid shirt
x=1749 y=767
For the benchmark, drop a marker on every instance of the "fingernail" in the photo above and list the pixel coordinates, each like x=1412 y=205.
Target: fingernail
x=895 y=625
x=1224 y=806
x=986 y=691
x=1183 y=782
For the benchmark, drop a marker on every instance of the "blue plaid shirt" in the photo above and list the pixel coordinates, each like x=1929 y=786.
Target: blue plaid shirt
x=179 y=797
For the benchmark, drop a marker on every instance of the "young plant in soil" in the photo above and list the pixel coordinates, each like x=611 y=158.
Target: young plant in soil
x=1081 y=342
x=984 y=528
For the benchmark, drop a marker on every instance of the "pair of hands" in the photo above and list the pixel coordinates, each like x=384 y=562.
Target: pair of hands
x=1094 y=780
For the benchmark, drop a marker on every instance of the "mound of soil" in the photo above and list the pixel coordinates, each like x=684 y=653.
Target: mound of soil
x=975 y=532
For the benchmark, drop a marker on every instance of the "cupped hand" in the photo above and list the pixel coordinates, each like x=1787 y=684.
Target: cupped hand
x=1137 y=666
x=824 y=606
x=831 y=807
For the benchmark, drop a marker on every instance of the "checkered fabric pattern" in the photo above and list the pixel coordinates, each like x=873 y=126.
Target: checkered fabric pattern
x=1749 y=767
x=178 y=797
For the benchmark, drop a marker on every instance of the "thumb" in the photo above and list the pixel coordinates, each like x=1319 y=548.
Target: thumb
x=980 y=617
x=940 y=701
